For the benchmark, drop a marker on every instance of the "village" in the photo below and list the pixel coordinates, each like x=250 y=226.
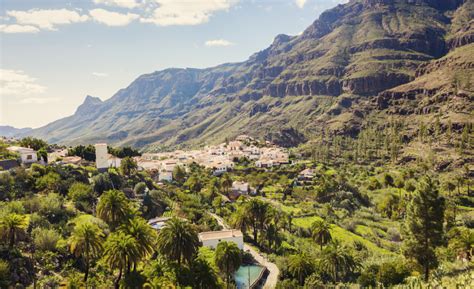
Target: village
x=218 y=159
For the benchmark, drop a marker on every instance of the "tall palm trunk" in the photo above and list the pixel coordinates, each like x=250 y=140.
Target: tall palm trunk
x=117 y=282
x=86 y=274
x=12 y=237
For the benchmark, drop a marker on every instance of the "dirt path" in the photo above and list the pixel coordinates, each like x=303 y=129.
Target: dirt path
x=273 y=270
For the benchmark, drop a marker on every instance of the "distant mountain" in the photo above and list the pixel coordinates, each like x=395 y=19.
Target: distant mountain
x=359 y=63
x=10 y=131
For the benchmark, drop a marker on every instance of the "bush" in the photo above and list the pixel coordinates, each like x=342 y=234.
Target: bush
x=140 y=188
x=4 y=274
x=393 y=235
x=392 y=273
x=45 y=239
x=83 y=196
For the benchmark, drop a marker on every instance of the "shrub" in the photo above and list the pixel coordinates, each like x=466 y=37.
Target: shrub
x=393 y=235
x=83 y=196
x=45 y=239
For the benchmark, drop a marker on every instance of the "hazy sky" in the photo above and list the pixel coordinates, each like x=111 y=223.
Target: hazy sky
x=53 y=53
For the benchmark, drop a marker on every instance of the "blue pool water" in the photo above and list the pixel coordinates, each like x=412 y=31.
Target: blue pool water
x=242 y=275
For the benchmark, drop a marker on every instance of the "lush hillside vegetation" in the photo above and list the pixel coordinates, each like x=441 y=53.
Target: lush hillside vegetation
x=364 y=217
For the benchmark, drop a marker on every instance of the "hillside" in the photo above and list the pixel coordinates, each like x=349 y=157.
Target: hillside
x=10 y=131
x=360 y=61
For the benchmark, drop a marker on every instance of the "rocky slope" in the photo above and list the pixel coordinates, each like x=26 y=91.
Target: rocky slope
x=357 y=59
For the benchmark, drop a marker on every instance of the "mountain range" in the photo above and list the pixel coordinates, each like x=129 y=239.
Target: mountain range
x=10 y=131
x=359 y=63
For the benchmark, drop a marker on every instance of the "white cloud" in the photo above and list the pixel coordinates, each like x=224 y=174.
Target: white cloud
x=120 y=3
x=16 y=82
x=218 y=42
x=181 y=12
x=39 y=100
x=47 y=19
x=112 y=18
x=15 y=28
x=100 y=74
x=300 y=3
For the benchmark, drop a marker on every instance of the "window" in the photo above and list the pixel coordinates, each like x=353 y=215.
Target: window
x=29 y=157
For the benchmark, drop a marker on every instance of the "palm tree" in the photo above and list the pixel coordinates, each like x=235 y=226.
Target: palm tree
x=204 y=276
x=120 y=251
x=143 y=233
x=256 y=210
x=239 y=219
x=178 y=241
x=338 y=259
x=300 y=266
x=86 y=242
x=321 y=232
x=12 y=226
x=113 y=207
x=226 y=183
x=228 y=259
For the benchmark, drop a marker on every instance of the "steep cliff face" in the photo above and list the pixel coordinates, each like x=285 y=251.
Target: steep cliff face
x=362 y=51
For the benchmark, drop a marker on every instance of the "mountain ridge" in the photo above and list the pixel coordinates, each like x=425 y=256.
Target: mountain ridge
x=327 y=76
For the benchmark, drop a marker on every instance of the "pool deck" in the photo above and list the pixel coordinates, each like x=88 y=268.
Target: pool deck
x=273 y=271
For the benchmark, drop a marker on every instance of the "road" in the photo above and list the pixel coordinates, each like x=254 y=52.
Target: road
x=273 y=270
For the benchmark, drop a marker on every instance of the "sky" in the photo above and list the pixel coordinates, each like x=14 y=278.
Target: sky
x=54 y=53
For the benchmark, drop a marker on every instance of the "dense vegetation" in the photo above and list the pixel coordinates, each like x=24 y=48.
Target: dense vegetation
x=367 y=216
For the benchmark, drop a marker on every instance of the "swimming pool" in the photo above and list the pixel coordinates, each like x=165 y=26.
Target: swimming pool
x=245 y=271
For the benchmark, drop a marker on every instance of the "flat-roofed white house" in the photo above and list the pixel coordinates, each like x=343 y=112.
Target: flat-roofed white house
x=27 y=155
x=165 y=175
x=113 y=161
x=241 y=188
x=212 y=238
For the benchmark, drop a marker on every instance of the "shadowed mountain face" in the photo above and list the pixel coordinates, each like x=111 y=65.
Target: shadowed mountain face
x=355 y=61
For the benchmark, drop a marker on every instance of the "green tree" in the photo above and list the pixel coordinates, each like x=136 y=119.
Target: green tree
x=424 y=225
x=86 y=242
x=204 y=276
x=228 y=259
x=143 y=233
x=226 y=183
x=83 y=196
x=194 y=183
x=121 y=250
x=33 y=143
x=102 y=183
x=128 y=166
x=42 y=154
x=12 y=226
x=113 y=208
x=300 y=266
x=139 y=189
x=179 y=174
x=338 y=261
x=45 y=239
x=256 y=212
x=178 y=241
x=321 y=232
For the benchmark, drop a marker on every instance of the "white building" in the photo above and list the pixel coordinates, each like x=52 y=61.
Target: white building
x=241 y=188
x=101 y=156
x=27 y=155
x=212 y=238
x=113 y=161
x=165 y=176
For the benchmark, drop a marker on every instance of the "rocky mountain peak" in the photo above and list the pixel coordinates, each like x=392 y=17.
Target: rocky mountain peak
x=90 y=103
